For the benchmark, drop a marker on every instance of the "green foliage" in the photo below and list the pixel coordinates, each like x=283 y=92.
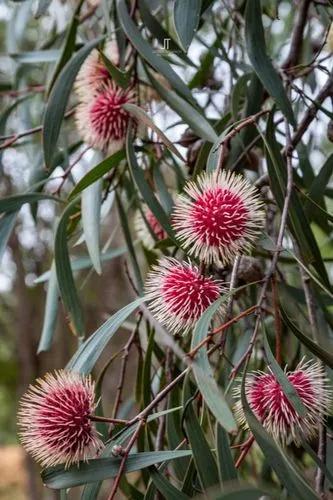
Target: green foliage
x=216 y=85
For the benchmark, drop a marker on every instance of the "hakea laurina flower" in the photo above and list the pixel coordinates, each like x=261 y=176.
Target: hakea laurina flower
x=102 y=121
x=179 y=294
x=54 y=422
x=218 y=217
x=271 y=406
x=93 y=73
x=148 y=235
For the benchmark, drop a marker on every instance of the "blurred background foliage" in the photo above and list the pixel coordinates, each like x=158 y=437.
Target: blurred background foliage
x=37 y=39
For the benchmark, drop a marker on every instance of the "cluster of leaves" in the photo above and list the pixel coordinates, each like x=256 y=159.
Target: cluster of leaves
x=184 y=449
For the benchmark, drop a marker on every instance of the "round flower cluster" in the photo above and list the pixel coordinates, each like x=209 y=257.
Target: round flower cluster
x=54 y=419
x=100 y=117
x=217 y=218
x=273 y=409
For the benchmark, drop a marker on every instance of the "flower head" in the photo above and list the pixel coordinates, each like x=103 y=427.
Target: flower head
x=54 y=419
x=102 y=121
x=271 y=406
x=218 y=217
x=179 y=294
x=148 y=235
x=93 y=73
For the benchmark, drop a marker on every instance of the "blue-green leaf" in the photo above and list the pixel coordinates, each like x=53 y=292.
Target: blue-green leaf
x=50 y=312
x=91 y=200
x=57 y=102
x=204 y=375
x=262 y=65
x=186 y=15
x=88 y=353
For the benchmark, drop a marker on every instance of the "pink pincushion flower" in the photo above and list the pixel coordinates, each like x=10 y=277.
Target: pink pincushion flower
x=54 y=422
x=102 y=121
x=149 y=235
x=271 y=406
x=93 y=73
x=218 y=217
x=180 y=294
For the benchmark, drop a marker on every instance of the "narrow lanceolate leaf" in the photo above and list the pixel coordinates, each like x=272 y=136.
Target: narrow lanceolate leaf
x=297 y=222
x=323 y=354
x=164 y=486
x=121 y=78
x=97 y=172
x=202 y=455
x=186 y=15
x=104 y=468
x=280 y=375
x=147 y=53
x=88 y=353
x=57 y=102
x=91 y=200
x=241 y=492
x=65 y=278
x=157 y=30
x=50 y=312
x=191 y=116
x=256 y=49
x=286 y=472
x=144 y=188
x=7 y=224
x=69 y=45
x=36 y=56
x=227 y=469
x=204 y=375
x=79 y=263
x=142 y=117
x=129 y=242
x=15 y=202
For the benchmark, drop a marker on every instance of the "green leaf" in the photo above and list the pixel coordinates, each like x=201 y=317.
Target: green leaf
x=297 y=221
x=122 y=78
x=164 y=486
x=196 y=121
x=65 y=278
x=69 y=45
x=144 y=188
x=36 y=56
x=142 y=117
x=157 y=30
x=88 y=353
x=15 y=202
x=79 y=263
x=256 y=49
x=104 y=468
x=91 y=200
x=50 y=312
x=323 y=354
x=286 y=472
x=186 y=15
x=203 y=372
x=146 y=52
x=281 y=377
x=129 y=242
x=202 y=455
x=7 y=224
x=242 y=492
x=97 y=172
x=227 y=469
x=57 y=102
x=91 y=490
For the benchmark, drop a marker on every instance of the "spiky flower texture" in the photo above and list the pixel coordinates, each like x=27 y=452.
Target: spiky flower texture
x=179 y=294
x=54 y=422
x=271 y=406
x=218 y=217
x=102 y=121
